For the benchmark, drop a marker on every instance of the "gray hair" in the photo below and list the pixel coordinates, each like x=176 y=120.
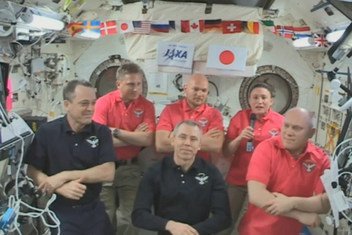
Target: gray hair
x=188 y=123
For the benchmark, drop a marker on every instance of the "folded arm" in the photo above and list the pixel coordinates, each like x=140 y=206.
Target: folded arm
x=212 y=141
x=101 y=173
x=261 y=197
x=163 y=141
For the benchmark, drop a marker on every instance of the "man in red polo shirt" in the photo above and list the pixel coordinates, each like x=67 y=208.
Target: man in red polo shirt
x=287 y=164
x=131 y=118
x=192 y=107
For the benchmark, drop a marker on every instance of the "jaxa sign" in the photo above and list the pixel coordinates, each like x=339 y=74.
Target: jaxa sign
x=175 y=54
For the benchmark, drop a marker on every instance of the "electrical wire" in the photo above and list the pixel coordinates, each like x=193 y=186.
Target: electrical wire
x=15 y=202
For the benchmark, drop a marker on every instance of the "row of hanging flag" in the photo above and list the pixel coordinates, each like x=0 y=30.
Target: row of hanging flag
x=294 y=33
x=112 y=27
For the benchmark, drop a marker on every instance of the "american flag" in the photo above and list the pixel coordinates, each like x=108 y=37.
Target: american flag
x=320 y=40
x=142 y=27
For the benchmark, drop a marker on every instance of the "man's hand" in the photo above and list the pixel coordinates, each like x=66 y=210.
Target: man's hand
x=143 y=127
x=310 y=219
x=213 y=133
x=51 y=183
x=72 y=190
x=176 y=228
x=279 y=205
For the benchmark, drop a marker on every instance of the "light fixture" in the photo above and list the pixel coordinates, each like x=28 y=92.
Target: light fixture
x=303 y=42
x=335 y=35
x=44 y=22
x=37 y=20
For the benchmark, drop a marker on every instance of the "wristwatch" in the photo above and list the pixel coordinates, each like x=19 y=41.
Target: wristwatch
x=116 y=132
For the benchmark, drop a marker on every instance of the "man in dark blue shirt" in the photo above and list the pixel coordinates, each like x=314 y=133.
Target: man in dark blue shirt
x=72 y=156
x=187 y=193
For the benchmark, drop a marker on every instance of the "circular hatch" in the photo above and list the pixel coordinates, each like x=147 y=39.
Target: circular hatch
x=286 y=88
x=104 y=76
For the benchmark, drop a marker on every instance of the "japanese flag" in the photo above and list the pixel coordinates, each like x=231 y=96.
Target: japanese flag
x=227 y=57
x=125 y=27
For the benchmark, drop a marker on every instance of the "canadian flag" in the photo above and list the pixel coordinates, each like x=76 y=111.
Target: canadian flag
x=227 y=57
x=125 y=27
x=191 y=26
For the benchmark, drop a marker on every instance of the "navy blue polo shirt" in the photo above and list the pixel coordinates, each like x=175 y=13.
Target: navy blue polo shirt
x=56 y=148
x=197 y=197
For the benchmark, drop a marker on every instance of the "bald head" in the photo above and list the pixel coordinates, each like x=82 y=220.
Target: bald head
x=196 y=90
x=196 y=78
x=303 y=114
x=298 y=128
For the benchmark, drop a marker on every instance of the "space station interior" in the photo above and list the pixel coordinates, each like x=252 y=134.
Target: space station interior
x=43 y=45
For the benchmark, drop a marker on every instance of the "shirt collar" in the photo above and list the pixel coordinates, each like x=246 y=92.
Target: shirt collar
x=67 y=128
x=309 y=149
x=187 y=108
x=118 y=98
x=264 y=118
x=196 y=164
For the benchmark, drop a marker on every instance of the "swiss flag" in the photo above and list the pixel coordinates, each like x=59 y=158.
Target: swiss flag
x=108 y=28
x=191 y=26
x=227 y=57
x=125 y=26
x=231 y=27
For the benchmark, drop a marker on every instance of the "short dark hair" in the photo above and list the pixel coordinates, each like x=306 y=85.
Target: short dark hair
x=188 y=123
x=264 y=85
x=69 y=90
x=128 y=68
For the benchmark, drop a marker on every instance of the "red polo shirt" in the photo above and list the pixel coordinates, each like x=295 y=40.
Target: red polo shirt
x=110 y=110
x=275 y=167
x=208 y=118
x=265 y=128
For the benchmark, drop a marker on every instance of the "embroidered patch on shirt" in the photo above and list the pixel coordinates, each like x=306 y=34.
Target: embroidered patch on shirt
x=138 y=112
x=202 y=178
x=203 y=122
x=93 y=141
x=273 y=132
x=309 y=165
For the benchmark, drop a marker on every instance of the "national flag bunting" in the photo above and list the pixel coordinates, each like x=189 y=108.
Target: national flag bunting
x=284 y=31
x=320 y=40
x=125 y=26
x=74 y=28
x=191 y=26
x=160 y=26
x=142 y=27
x=212 y=25
x=108 y=28
x=231 y=27
x=91 y=29
x=250 y=27
x=301 y=32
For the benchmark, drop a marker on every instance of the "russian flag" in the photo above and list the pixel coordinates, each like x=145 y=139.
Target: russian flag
x=160 y=26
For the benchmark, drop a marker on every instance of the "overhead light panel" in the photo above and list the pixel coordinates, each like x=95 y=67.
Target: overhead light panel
x=41 y=21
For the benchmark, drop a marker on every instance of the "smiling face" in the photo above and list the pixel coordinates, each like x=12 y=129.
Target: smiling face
x=260 y=101
x=296 y=131
x=186 y=143
x=80 y=107
x=196 y=90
